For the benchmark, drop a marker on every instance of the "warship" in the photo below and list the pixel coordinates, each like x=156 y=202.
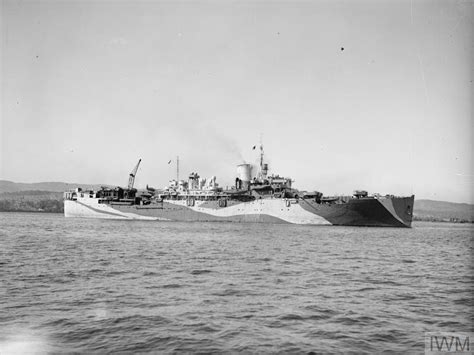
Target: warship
x=255 y=197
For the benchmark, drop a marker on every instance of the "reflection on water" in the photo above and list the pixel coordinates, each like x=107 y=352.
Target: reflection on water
x=96 y=285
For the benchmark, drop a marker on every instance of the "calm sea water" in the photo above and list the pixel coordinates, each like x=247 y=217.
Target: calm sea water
x=85 y=286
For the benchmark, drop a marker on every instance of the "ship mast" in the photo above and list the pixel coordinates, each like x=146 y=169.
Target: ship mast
x=261 y=174
x=177 y=168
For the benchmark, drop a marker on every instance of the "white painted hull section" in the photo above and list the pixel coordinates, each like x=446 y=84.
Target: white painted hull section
x=91 y=208
x=271 y=207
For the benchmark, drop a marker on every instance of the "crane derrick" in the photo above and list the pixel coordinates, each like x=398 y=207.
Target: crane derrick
x=131 y=179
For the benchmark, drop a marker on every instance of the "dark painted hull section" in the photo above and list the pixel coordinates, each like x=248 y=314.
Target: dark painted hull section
x=393 y=212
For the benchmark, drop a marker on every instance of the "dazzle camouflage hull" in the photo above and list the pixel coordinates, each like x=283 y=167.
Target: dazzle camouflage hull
x=382 y=211
x=256 y=196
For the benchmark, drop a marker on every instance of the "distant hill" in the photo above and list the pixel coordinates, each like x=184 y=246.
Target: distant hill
x=31 y=201
x=47 y=197
x=36 y=197
x=10 y=186
x=441 y=210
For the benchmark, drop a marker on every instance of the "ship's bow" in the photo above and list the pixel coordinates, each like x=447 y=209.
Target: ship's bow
x=401 y=208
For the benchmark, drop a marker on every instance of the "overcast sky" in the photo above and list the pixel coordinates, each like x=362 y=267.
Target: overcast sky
x=373 y=95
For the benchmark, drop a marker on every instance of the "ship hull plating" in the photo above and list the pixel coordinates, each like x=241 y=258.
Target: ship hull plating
x=379 y=212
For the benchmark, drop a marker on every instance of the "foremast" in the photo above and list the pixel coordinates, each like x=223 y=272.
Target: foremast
x=263 y=168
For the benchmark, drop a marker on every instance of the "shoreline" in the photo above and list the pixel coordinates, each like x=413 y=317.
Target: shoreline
x=415 y=218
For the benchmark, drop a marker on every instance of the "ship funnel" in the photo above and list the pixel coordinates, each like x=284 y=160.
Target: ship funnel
x=243 y=174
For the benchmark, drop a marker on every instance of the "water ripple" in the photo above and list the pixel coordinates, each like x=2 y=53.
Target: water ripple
x=86 y=286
